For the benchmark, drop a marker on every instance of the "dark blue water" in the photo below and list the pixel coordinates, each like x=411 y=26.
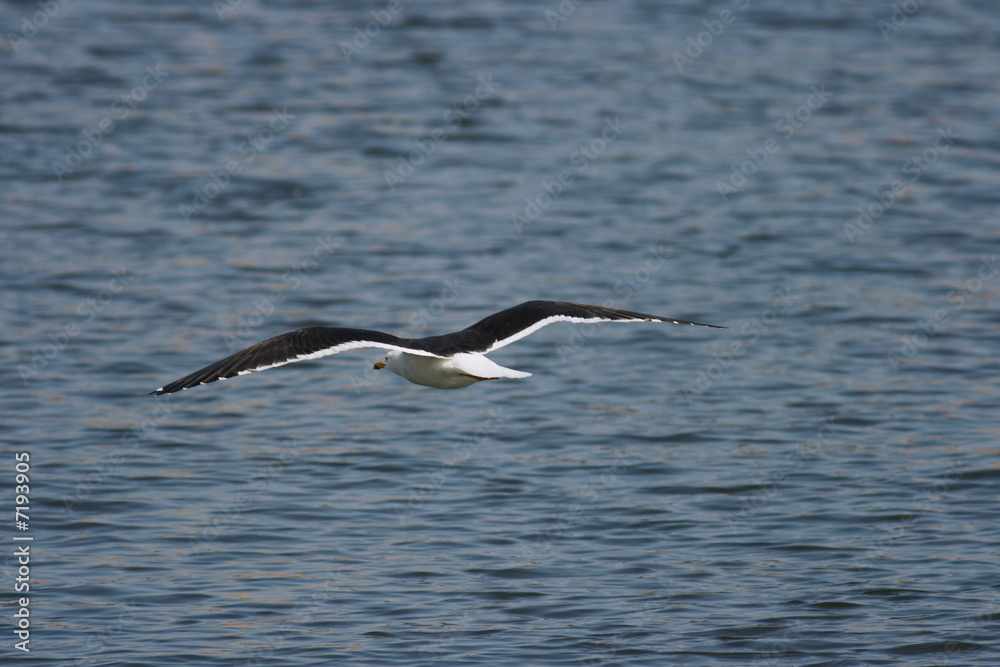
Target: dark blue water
x=816 y=485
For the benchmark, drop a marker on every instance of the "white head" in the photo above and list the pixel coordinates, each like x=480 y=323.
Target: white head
x=387 y=360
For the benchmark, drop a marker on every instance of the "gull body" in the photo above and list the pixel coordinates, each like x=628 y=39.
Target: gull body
x=456 y=372
x=451 y=361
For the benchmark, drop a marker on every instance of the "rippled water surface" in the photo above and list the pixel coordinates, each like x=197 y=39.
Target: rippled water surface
x=815 y=485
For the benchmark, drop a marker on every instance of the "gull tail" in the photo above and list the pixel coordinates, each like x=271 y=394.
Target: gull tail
x=479 y=366
x=511 y=373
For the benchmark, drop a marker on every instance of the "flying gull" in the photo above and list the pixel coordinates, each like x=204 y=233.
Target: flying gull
x=451 y=361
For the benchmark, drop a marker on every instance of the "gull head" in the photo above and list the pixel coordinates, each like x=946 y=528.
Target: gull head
x=387 y=360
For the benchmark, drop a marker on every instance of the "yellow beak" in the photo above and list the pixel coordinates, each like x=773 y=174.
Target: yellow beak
x=379 y=365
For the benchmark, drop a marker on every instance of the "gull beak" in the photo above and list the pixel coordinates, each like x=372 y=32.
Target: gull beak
x=379 y=365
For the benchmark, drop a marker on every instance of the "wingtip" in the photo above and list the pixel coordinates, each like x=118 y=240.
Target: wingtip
x=702 y=324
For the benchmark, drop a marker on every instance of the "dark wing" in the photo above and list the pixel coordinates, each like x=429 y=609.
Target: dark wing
x=299 y=345
x=515 y=323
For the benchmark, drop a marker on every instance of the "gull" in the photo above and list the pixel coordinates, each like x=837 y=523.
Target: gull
x=451 y=361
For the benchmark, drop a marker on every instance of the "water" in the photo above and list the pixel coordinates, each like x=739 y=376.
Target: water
x=815 y=485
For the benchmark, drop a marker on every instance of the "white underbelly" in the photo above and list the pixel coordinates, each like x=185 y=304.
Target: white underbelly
x=432 y=372
x=454 y=372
